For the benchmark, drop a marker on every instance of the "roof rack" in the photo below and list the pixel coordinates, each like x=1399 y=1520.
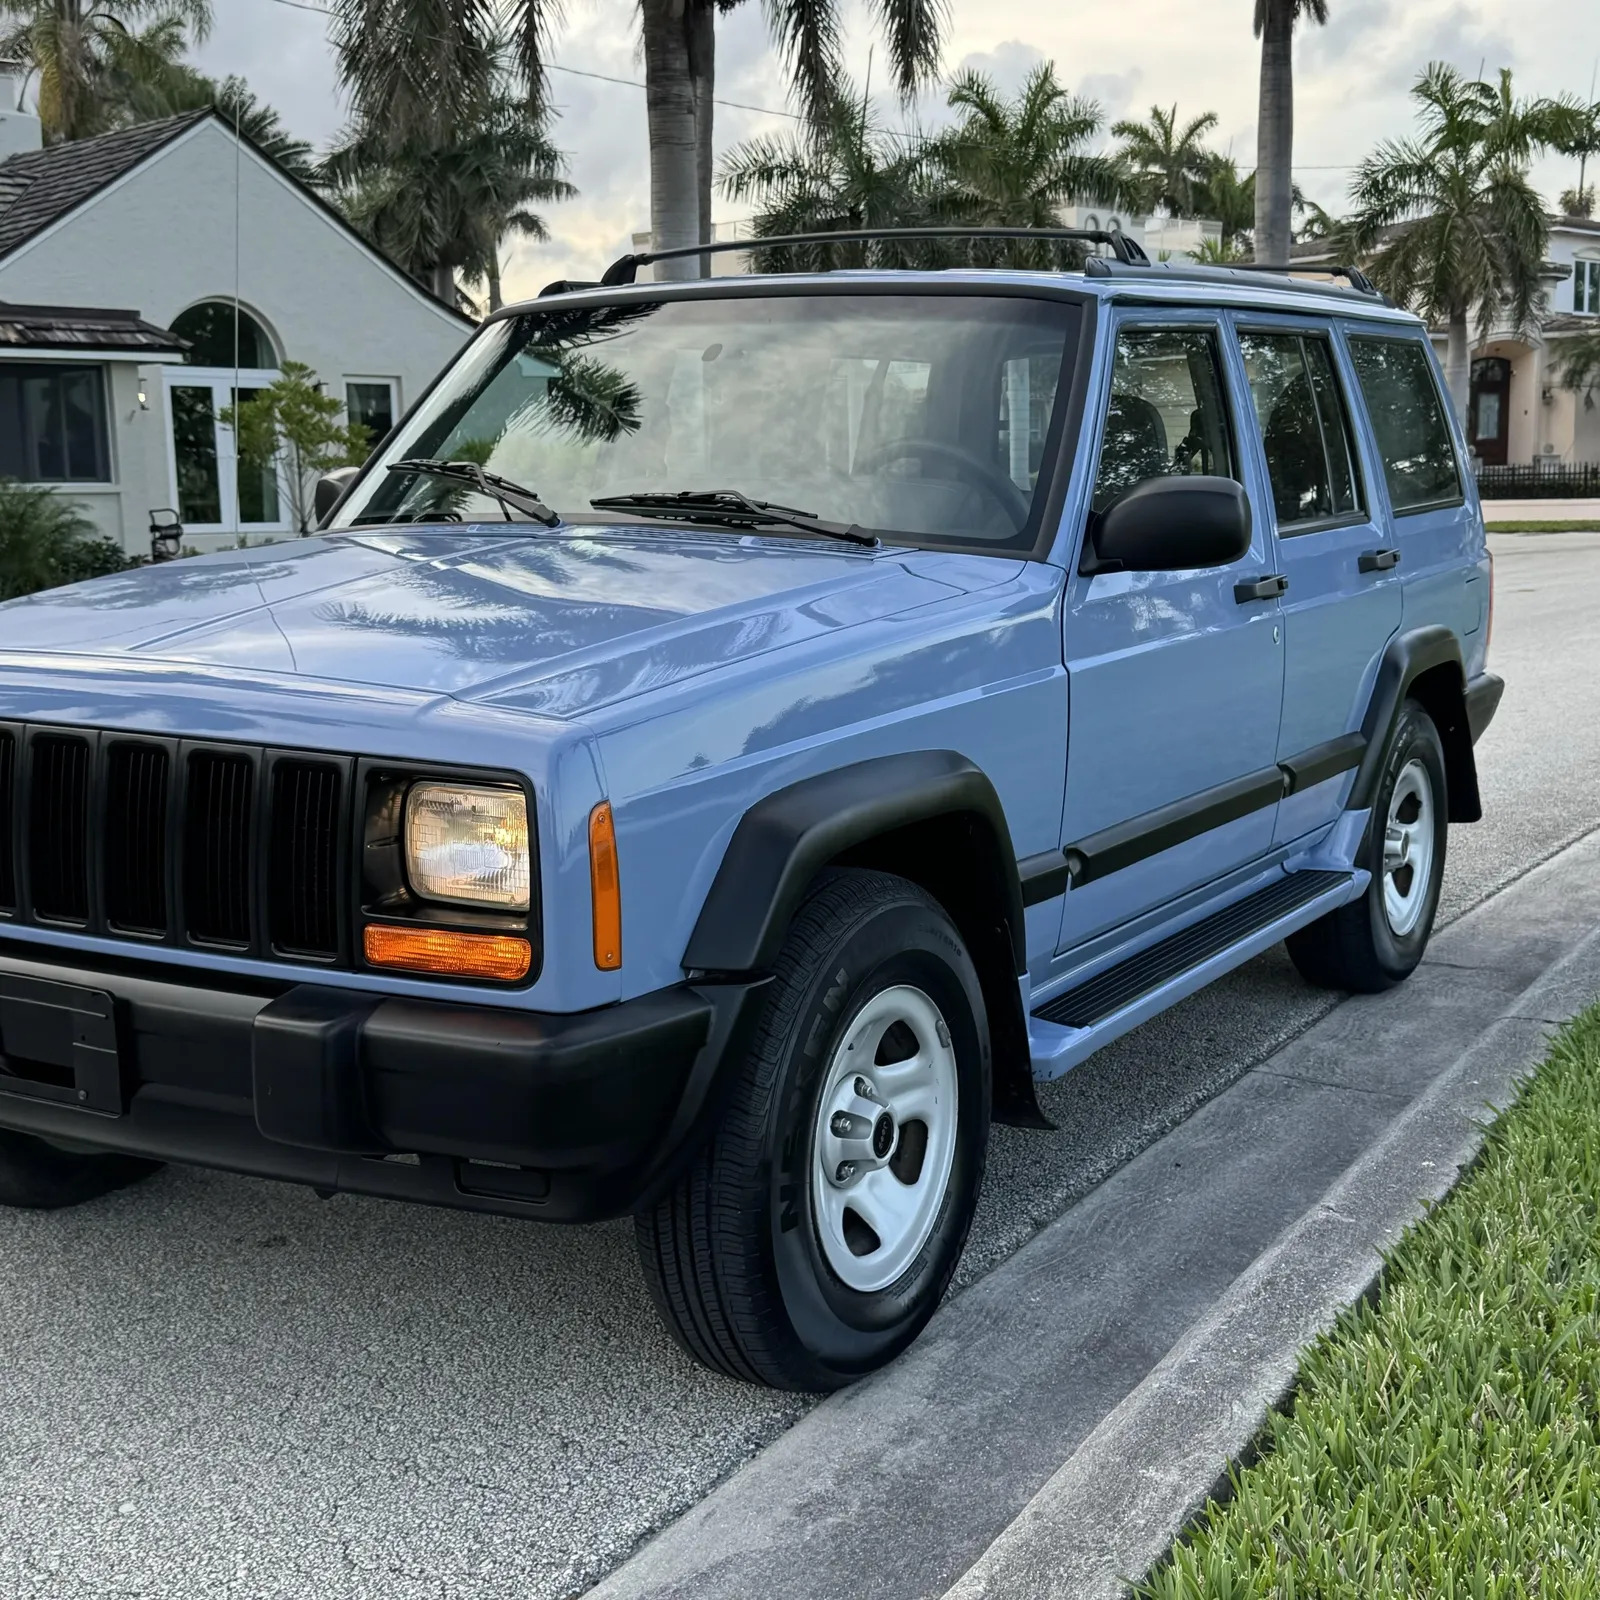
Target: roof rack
x=624 y=269
x=1358 y=281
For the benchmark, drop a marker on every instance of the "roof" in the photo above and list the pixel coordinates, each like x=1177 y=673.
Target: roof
x=40 y=187
x=82 y=328
x=1570 y=322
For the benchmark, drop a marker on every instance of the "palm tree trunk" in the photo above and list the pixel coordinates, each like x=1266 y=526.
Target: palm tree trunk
x=1275 y=135
x=703 y=71
x=442 y=280
x=674 y=134
x=1458 y=365
x=493 y=275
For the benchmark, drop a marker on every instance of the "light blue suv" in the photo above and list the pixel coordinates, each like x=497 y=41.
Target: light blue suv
x=733 y=740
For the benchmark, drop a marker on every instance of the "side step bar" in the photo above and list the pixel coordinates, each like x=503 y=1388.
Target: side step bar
x=1074 y=1024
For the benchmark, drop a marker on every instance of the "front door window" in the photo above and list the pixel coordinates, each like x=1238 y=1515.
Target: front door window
x=214 y=491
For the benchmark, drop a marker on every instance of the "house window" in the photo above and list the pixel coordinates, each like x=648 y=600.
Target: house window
x=1586 y=287
x=369 y=402
x=53 y=424
x=215 y=341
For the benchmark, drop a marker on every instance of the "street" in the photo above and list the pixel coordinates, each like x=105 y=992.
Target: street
x=226 y=1387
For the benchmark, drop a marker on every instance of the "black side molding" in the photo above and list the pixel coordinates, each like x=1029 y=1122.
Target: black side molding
x=1323 y=761
x=1483 y=700
x=1043 y=876
x=1114 y=848
x=784 y=840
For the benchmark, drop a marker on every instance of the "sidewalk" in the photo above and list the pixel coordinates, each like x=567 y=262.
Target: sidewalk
x=1542 y=511
x=934 y=1469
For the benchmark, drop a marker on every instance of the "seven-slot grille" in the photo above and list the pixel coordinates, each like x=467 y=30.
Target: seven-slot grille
x=228 y=847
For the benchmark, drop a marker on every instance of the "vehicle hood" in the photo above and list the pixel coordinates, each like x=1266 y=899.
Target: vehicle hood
x=556 y=623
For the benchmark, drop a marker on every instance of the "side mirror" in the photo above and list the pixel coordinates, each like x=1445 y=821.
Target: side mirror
x=330 y=489
x=1169 y=525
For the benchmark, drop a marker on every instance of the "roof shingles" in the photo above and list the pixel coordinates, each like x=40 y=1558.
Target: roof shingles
x=40 y=186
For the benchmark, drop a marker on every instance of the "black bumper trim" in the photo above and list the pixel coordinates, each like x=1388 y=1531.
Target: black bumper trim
x=1483 y=700
x=567 y=1117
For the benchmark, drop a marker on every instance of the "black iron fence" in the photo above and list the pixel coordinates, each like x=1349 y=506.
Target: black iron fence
x=1559 y=481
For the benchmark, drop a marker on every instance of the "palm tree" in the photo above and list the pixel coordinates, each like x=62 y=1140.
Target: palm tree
x=1449 y=219
x=98 y=61
x=1275 y=20
x=439 y=209
x=1013 y=163
x=239 y=107
x=1221 y=193
x=1581 y=139
x=1168 y=162
x=680 y=75
x=847 y=173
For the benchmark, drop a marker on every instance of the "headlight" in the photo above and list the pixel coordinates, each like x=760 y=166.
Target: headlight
x=467 y=846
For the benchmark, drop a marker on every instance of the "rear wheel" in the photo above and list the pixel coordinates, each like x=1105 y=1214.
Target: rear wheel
x=42 y=1177
x=812 y=1239
x=1377 y=941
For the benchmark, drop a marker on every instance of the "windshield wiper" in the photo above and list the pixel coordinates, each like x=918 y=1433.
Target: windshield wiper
x=489 y=484
x=730 y=507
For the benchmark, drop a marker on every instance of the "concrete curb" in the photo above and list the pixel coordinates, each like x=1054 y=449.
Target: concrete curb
x=1115 y=1506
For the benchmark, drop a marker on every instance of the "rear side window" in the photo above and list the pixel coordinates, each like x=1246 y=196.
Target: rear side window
x=1305 y=429
x=1167 y=416
x=1419 y=461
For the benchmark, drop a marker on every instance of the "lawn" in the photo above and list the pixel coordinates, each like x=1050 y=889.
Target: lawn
x=1445 y=1438
x=1544 y=527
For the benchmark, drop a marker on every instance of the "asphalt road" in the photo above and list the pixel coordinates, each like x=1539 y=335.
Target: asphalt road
x=215 y=1386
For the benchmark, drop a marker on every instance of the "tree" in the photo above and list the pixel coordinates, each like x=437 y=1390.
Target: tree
x=431 y=82
x=1167 y=162
x=234 y=102
x=440 y=209
x=845 y=174
x=679 y=38
x=1449 y=219
x=1580 y=138
x=1275 y=22
x=1230 y=199
x=1013 y=163
x=294 y=422
x=99 y=62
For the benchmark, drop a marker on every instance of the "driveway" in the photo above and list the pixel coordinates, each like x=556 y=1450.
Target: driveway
x=225 y=1387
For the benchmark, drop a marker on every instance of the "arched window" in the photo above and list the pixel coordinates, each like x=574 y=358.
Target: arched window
x=209 y=328
x=1091 y=221
x=1114 y=224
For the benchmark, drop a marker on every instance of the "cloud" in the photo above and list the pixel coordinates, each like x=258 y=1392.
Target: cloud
x=1008 y=64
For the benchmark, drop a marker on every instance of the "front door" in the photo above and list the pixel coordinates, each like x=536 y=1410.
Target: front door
x=1175 y=679
x=1490 y=409
x=213 y=489
x=1342 y=603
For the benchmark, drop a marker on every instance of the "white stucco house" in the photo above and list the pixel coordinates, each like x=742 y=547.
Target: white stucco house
x=147 y=275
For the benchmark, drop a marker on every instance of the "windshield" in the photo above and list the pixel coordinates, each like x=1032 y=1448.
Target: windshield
x=921 y=418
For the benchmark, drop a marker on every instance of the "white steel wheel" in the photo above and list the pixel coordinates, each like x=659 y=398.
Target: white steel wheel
x=1408 y=846
x=885 y=1138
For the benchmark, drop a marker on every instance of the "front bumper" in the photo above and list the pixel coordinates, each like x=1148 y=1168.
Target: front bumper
x=563 y=1117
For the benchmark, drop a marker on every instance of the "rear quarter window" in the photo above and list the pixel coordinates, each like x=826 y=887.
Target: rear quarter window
x=1408 y=417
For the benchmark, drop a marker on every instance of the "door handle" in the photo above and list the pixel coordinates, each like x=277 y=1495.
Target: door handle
x=1378 y=560
x=1268 y=588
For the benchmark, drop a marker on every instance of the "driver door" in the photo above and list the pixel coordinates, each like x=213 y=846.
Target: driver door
x=1175 y=678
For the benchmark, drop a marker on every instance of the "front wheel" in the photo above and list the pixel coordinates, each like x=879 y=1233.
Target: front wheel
x=813 y=1238
x=1377 y=941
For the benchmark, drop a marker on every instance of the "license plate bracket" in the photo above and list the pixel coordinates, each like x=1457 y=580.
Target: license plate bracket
x=59 y=1042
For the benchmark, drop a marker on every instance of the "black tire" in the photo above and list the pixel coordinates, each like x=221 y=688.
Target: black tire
x=732 y=1255
x=1356 y=948
x=42 y=1177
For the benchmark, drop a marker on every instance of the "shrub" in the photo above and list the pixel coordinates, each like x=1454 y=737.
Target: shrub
x=46 y=541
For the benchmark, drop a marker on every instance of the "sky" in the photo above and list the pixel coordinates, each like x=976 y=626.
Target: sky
x=1352 y=78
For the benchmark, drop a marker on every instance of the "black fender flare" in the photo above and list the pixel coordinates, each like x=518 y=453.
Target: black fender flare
x=788 y=836
x=1434 y=653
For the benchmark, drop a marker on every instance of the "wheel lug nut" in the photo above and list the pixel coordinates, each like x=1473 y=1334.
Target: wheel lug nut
x=847 y=1170
x=864 y=1089
x=841 y=1124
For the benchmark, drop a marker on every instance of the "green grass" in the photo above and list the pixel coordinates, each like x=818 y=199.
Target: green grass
x=1445 y=1439
x=1544 y=527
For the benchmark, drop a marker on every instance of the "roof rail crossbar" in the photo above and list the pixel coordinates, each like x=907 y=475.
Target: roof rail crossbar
x=624 y=269
x=1304 y=273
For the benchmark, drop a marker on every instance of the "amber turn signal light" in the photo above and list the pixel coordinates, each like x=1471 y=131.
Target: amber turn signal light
x=449 y=955
x=605 y=889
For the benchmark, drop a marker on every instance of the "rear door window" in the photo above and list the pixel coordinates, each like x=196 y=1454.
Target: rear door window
x=1305 y=429
x=1408 y=417
x=1167 y=416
